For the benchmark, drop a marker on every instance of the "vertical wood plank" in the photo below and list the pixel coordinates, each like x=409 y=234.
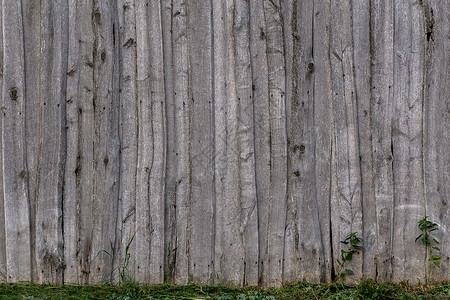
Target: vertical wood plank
x=171 y=155
x=78 y=191
x=260 y=111
x=128 y=133
x=362 y=71
x=322 y=125
x=201 y=140
x=15 y=186
x=183 y=194
x=49 y=231
x=436 y=119
x=151 y=148
x=303 y=237
x=106 y=139
x=382 y=73
x=246 y=138
x=33 y=106
x=347 y=215
x=409 y=205
x=3 y=269
x=278 y=141
x=229 y=250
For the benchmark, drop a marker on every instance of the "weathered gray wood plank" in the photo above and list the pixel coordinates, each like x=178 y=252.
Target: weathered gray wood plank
x=3 y=267
x=260 y=111
x=346 y=208
x=322 y=127
x=106 y=138
x=278 y=141
x=52 y=79
x=302 y=255
x=183 y=107
x=201 y=99
x=246 y=138
x=436 y=120
x=381 y=116
x=409 y=204
x=15 y=185
x=362 y=71
x=33 y=119
x=128 y=133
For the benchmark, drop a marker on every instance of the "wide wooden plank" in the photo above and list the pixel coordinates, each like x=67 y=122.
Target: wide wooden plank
x=302 y=255
x=409 y=204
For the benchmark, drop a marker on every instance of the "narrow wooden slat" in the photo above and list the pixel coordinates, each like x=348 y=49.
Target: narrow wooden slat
x=246 y=138
x=260 y=111
x=15 y=187
x=183 y=106
x=171 y=155
x=381 y=115
x=346 y=208
x=3 y=268
x=49 y=231
x=128 y=127
x=362 y=71
x=106 y=139
x=33 y=106
x=151 y=150
x=322 y=127
x=201 y=140
x=436 y=119
x=230 y=257
x=78 y=191
x=278 y=141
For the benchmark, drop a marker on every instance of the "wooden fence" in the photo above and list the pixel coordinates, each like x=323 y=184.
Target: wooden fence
x=222 y=140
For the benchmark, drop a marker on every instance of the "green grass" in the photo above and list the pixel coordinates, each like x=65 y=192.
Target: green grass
x=366 y=290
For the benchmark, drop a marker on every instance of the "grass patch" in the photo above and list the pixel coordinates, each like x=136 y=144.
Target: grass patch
x=301 y=290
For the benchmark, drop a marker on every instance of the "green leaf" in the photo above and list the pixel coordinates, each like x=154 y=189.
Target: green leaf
x=343 y=276
x=349 y=256
x=435 y=257
x=437 y=264
x=436 y=241
x=349 y=272
x=436 y=248
x=419 y=237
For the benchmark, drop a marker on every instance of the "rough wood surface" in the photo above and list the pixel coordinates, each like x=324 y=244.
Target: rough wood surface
x=222 y=141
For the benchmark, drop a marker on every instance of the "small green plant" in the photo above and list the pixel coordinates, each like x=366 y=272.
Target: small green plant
x=352 y=242
x=426 y=227
x=121 y=270
x=219 y=274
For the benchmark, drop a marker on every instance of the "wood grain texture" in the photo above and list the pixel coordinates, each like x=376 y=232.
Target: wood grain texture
x=222 y=141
